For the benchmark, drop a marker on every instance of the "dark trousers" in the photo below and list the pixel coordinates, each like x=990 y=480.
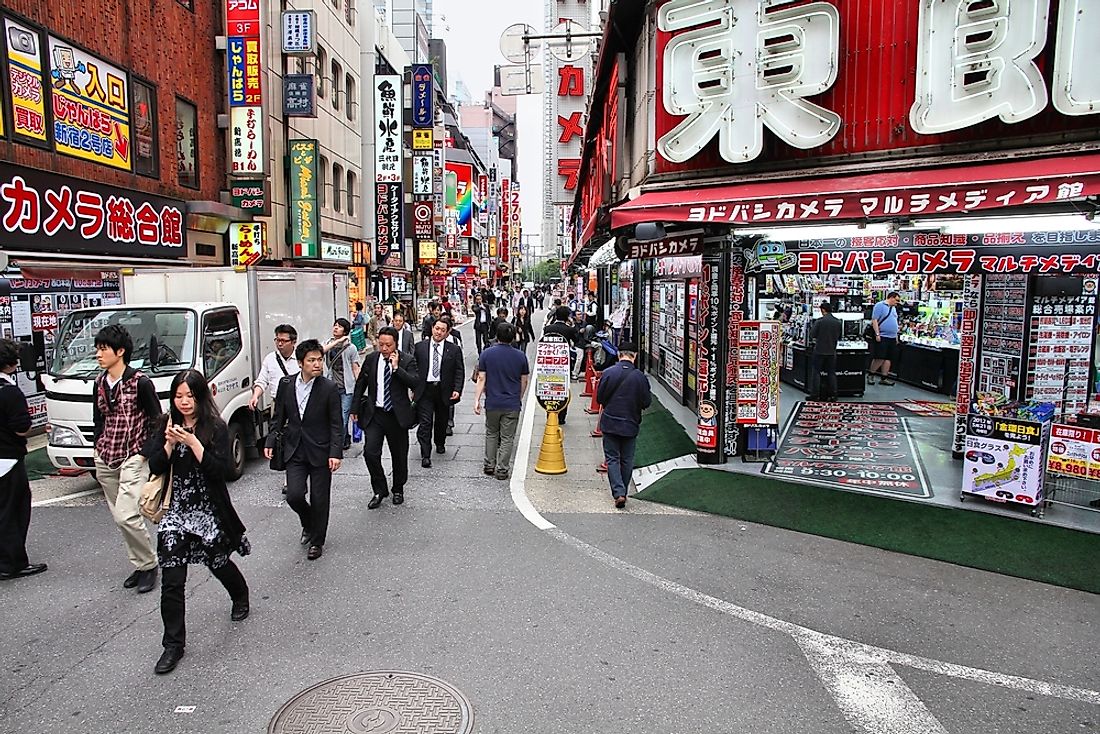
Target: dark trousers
x=15 y=518
x=173 y=582
x=618 y=451
x=434 y=411
x=312 y=513
x=384 y=426
x=481 y=336
x=823 y=363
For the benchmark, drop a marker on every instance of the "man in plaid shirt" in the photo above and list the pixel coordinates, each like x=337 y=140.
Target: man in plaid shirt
x=124 y=407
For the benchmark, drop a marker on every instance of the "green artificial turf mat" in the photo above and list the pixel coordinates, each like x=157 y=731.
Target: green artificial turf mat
x=1029 y=550
x=661 y=437
x=38 y=465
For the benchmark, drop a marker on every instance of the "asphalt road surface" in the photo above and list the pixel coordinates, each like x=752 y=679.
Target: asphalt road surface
x=554 y=622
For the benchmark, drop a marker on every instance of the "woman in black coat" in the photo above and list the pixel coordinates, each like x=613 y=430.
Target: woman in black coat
x=525 y=330
x=200 y=526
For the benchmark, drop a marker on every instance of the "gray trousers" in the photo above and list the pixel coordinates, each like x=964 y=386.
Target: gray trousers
x=500 y=435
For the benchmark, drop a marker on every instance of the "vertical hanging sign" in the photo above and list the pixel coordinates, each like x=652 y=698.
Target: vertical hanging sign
x=304 y=217
x=246 y=115
x=389 y=201
x=423 y=93
x=27 y=92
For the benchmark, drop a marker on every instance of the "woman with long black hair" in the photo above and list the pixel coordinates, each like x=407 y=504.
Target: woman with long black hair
x=201 y=526
x=525 y=330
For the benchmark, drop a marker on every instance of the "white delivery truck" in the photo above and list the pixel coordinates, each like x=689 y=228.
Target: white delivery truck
x=219 y=321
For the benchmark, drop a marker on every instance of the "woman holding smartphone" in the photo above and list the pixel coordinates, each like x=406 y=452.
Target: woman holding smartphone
x=201 y=526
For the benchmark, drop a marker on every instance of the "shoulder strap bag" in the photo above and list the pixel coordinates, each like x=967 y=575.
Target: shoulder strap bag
x=869 y=332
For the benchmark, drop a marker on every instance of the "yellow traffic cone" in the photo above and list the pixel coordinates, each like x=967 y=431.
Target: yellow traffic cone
x=552 y=451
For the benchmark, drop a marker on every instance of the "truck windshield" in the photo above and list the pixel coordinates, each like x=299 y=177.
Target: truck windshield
x=170 y=333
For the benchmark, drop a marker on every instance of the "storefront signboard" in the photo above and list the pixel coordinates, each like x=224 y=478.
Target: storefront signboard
x=854 y=446
x=305 y=215
x=26 y=69
x=387 y=127
x=464 y=195
x=298 y=97
x=1004 y=329
x=677 y=246
x=570 y=88
x=51 y=213
x=246 y=141
x=422 y=174
x=91 y=106
x=422 y=139
x=735 y=303
x=337 y=251
x=249 y=196
x=299 y=32
x=680 y=267
x=1060 y=351
x=246 y=243
x=757 y=378
x=552 y=373
x=1004 y=459
x=968 y=356
x=711 y=111
x=1074 y=452
x=423 y=220
x=428 y=252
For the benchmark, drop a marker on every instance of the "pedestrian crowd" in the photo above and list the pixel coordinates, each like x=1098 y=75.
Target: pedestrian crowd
x=172 y=466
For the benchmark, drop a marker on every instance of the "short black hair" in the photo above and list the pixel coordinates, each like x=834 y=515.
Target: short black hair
x=288 y=330
x=557 y=301
x=388 y=331
x=445 y=319
x=502 y=311
x=628 y=347
x=9 y=354
x=309 y=345
x=893 y=294
x=562 y=313
x=345 y=325
x=505 y=333
x=117 y=339
x=826 y=307
x=358 y=305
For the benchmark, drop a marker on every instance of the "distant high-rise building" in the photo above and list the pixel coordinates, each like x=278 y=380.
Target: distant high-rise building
x=461 y=94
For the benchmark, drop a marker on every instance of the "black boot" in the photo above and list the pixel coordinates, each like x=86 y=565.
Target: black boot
x=169 y=659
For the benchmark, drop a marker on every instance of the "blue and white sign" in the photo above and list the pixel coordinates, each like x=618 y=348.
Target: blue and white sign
x=423 y=96
x=299 y=32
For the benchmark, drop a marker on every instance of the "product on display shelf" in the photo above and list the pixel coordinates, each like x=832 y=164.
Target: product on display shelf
x=996 y=405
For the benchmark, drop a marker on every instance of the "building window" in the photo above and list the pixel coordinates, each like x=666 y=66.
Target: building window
x=336 y=4
x=322 y=61
x=353 y=190
x=337 y=182
x=349 y=11
x=337 y=79
x=187 y=144
x=349 y=104
x=322 y=184
x=146 y=140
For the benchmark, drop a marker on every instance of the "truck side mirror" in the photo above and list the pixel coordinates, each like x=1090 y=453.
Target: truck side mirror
x=154 y=351
x=28 y=357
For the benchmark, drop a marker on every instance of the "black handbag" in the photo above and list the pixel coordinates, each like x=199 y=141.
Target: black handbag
x=278 y=455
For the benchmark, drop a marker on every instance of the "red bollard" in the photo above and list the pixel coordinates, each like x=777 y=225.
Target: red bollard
x=589 y=377
x=598 y=433
x=594 y=406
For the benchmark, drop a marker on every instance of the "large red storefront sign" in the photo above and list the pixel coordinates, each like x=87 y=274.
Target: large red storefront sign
x=831 y=79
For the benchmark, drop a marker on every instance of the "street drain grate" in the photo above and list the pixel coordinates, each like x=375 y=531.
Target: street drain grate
x=382 y=702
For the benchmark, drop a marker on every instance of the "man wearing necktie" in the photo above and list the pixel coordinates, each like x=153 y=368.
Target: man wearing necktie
x=441 y=376
x=385 y=413
x=406 y=340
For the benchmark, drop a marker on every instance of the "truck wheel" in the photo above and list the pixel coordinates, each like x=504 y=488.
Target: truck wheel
x=236 y=451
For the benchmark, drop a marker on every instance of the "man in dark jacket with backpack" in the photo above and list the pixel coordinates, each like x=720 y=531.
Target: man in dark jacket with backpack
x=623 y=393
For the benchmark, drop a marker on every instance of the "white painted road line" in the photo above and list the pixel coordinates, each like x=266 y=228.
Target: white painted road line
x=66 y=497
x=859 y=677
x=523 y=453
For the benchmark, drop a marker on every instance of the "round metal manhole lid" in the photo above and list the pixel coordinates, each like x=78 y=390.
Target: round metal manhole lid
x=382 y=702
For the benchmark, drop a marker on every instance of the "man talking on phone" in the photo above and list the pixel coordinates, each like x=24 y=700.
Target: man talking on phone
x=383 y=408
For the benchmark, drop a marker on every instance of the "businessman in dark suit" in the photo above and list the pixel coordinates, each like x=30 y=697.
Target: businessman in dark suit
x=308 y=414
x=406 y=340
x=384 y=411
x=441 y=373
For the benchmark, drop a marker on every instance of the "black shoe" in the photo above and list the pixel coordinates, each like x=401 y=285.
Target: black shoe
x=620 y=502
x=490 y=471
x=426 y=463
x=146 y=581
x=314 y=552
x=29 y=570
x=240 y=610
x=169 y=659
x=376 y=501
x=398 y=497
x=306 y=535
x=501 y=476
x=450 y=432
x=131 y=580
x=441 y=449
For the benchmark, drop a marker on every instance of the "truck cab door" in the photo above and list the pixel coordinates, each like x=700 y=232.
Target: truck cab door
x=226 y=367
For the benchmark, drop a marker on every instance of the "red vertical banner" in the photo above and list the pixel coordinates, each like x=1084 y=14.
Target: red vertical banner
x=505 y=215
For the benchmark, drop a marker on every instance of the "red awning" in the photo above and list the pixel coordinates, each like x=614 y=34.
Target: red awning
x=883 y=195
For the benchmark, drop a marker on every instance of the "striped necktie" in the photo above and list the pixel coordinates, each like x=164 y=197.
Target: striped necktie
x=387 y=377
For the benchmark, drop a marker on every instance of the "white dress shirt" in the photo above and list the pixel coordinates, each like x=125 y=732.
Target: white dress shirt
x=380 y=379
x=302 y=391
x=270 y=373
x=435 y=364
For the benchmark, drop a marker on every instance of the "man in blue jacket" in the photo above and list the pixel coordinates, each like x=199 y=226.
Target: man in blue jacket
x=624 y=394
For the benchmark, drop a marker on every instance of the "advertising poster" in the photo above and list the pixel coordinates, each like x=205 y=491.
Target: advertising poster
x=552 y=375
x=464 y=196
x=1004 y=459
x=1060 y=351
x=736 y=296
x=305 y=224
x=91 y=106
x=757 y=350
x=387 y=127
x=389 y=238
x=1074 y=452
x=246 y=243
x=855 y=446
x=1004 y=321
x=26 y=91
x=708 y=312
x=968 y=355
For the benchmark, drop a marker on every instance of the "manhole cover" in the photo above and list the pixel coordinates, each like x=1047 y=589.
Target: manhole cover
x=384 y=702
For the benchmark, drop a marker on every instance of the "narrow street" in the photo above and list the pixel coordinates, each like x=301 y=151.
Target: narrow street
x=649 y=620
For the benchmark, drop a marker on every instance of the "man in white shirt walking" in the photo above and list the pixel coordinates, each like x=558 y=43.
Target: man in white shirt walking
x=276 y=365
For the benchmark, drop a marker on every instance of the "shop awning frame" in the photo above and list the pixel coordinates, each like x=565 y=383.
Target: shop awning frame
x=879 y=196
